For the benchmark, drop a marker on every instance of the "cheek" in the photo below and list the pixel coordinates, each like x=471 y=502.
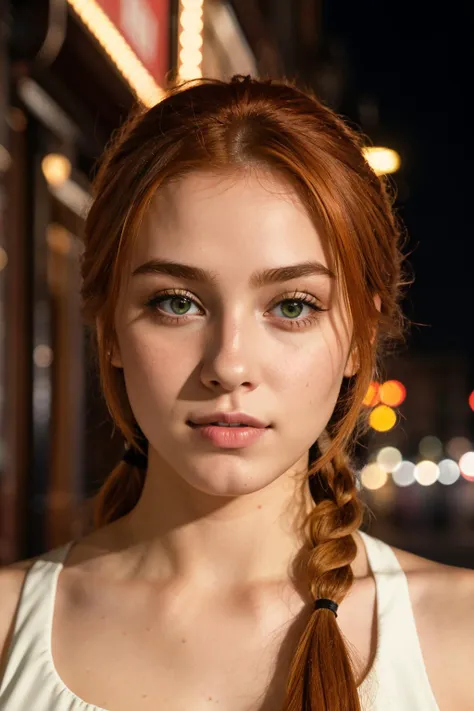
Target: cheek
x=308 y=383
x=315 y=366
x=154 y=370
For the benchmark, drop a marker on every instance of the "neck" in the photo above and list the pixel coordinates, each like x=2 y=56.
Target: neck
x=179 y=532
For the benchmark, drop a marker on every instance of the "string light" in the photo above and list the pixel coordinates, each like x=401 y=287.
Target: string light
x=190 y=39
x=114 y=44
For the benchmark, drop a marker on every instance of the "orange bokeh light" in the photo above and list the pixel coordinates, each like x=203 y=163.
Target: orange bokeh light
x=372 y=395
x=471 y=400
x=392 y=393
x=382 y=418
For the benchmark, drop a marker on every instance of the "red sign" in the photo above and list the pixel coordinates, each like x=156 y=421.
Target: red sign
x=145 y=26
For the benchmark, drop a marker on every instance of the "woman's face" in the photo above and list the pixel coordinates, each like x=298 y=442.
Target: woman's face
x=225 y=342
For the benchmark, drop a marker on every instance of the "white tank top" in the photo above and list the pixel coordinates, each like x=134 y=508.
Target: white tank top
x=397 y=680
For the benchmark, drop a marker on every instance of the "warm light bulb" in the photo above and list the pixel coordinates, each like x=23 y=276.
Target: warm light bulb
x=56 y=168
x=382 y=160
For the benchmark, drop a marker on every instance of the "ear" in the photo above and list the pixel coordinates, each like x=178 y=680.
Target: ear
x=116 y=359
x=352 y=364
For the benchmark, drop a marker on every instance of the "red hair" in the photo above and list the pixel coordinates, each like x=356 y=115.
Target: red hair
x=215 y=125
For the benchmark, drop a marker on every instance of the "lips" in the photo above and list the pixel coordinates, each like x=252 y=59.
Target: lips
x=228 y=418
x=233 y=427
x=218 y=424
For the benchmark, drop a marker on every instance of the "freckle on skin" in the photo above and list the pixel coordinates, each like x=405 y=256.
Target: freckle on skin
x=183 y=641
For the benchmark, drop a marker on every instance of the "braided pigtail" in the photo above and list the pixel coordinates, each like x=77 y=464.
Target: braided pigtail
x=322 y=675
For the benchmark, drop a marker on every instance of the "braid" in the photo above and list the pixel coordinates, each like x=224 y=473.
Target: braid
x=331 y=549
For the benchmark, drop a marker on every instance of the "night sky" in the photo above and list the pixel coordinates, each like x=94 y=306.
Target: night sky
x=416 y=61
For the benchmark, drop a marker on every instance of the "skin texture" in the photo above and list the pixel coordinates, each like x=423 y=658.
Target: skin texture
x=203 y=509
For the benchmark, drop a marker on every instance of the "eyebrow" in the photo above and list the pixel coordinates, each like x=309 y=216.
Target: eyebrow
x=257 y=280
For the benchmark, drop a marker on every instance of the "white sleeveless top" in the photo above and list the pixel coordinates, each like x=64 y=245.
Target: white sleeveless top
x=397 y=680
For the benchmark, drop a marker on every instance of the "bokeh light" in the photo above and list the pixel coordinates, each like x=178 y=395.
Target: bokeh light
x=430 y=447
x=466 y=465
x=56 y=168
x=471 y=400
x=457 y=446
x=190 y=39
x=404 y=475
x=371 y=397
x=389 y=458
x=392 y=393
x=426 y=472
x=373 y=477
x=43 y=356
x=382 y=160
x=3 y=259
x=449 y=471
x=382 y=418
x=58 y=239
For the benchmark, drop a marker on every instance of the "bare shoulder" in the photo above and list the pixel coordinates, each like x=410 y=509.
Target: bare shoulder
x=442 y=597
x=11 y=582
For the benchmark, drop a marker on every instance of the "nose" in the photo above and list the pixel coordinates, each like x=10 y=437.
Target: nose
x=229 y=361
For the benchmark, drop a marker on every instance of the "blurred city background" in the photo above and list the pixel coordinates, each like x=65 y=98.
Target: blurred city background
x=70 y=70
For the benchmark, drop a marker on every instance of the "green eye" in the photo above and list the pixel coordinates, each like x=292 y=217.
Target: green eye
x=181 y=301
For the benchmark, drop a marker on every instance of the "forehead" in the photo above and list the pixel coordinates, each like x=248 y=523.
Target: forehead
x=233 y=221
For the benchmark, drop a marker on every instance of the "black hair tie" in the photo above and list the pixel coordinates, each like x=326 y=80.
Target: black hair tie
x=135 y=458
x=329 y=604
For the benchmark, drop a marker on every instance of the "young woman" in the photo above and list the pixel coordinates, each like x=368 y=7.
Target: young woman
x=242 y=273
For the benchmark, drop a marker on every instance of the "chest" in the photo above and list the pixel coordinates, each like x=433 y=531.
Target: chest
x=177 y=652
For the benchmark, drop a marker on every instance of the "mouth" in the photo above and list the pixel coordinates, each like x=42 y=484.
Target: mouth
x=230 y=427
